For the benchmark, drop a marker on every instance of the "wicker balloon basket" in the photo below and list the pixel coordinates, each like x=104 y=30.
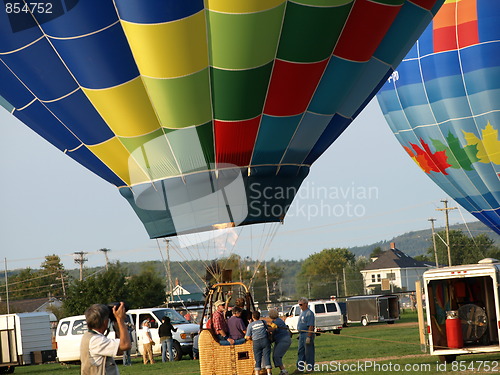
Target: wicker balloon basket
x=218 y=359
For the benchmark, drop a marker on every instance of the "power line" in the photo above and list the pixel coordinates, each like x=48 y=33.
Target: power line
x=33 y=278
x=31 y=288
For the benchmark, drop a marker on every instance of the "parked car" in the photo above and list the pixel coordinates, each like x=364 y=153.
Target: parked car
x=328 y=316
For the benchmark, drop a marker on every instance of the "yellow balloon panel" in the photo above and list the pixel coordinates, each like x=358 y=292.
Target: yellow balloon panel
x=171 y=49
x=126 y=108
x=117 y=158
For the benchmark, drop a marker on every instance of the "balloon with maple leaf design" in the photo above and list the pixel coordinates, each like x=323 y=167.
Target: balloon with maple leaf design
x=443 y=104
x=202 y=113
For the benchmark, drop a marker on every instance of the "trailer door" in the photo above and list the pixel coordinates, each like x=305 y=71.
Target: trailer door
x=383 y=306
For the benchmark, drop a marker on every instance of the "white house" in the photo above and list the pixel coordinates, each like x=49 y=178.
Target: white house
x=393 y=268
x=187 y=293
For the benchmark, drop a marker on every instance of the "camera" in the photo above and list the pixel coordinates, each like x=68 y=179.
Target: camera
x=112 y=317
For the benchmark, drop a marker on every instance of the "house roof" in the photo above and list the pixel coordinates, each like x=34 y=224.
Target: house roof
x=193 y=288
x=394 y=258
x=31 y=305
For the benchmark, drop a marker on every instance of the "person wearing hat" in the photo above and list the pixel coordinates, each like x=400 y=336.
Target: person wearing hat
x=220 y=324
x=147 y=343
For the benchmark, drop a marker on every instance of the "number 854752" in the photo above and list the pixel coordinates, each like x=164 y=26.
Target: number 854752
x=26 y=7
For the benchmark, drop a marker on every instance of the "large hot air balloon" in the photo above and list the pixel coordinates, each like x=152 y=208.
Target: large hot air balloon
x=443 y=104
x=203 y=113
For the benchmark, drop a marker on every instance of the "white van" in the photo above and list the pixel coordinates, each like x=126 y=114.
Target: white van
x=183 y=337
x=69 y=335
x=71 y=329
x=328 y=316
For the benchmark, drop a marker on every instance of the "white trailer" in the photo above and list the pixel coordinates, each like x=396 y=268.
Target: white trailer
x=25 y=339
x=469 y=293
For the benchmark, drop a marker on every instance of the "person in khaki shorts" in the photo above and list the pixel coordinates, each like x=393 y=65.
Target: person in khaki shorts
x=147 y=343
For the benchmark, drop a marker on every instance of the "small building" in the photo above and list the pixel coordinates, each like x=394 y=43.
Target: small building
x=188 y=293
x=393 y=269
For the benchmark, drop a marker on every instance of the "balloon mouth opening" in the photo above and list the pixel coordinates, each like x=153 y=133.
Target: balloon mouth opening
x=207 y=201
x=213 y=228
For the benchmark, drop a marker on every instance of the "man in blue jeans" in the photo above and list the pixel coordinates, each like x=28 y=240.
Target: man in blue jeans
x=165 y=333
x=257 y=332
x=305 y=326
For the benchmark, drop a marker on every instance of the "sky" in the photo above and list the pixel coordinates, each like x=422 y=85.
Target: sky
x=363 y=189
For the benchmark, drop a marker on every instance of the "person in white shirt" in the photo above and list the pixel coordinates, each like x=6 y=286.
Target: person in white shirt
x=97 y=350
x=147 y=343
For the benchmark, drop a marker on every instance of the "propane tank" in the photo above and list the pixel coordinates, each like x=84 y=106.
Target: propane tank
x=454 y=336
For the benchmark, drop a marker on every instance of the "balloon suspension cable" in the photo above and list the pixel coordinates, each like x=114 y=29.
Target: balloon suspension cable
x=196 y=248
x=268 y=239
x=187 y=273
x=234 y=243
x=162 y=258
x=181 y=254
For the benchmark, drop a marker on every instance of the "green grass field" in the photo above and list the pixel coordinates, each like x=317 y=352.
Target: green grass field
x=376 y=349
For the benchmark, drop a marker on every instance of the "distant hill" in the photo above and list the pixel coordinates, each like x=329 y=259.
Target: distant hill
x=417 y=243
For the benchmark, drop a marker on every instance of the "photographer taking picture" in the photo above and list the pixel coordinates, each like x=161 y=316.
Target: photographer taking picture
x=97 y=350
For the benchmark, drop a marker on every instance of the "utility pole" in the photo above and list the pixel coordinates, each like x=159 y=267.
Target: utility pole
x=7 y=286
x=345 y=282
x=309 y=288
x=446 y=209
x=267 y=283
x=169 y=273
x=62 y=282
x=105 y=251
x=432 y=220
x=80 y=260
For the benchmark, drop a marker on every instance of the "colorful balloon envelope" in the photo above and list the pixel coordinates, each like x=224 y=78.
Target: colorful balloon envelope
x=203 y=113
x=443 y=104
